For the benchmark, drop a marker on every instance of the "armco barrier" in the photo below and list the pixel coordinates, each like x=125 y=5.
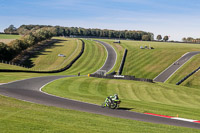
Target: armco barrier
x=186 y=77
x=53 y=71
x=123 y=61
x=125 y=77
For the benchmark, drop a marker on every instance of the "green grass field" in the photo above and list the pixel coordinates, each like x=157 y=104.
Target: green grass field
x=8 y=36
x=159 y=98
x=145 y=63
x=48 y=58
x=23 y=117
x=193 y=81
x=13 y=67
x=92 y=59
x=85 y=64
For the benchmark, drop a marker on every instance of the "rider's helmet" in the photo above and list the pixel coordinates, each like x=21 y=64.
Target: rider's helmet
x=116 y=96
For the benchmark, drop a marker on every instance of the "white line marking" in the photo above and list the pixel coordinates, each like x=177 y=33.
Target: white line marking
x=24 y=79
x=107 y=57
x=40 y=89
x=183 y=119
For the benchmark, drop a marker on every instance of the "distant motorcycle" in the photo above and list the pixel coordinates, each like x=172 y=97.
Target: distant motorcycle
x=112 y=104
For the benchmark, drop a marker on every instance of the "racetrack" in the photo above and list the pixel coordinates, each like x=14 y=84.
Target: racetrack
x=167 y=73
x=29 y=90
x=111 y=58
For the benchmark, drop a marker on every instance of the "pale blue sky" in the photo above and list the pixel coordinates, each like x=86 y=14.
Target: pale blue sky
x=176 y=18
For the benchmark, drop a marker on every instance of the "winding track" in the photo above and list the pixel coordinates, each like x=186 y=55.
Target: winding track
x=111 y=58
x=29 y=90
x=167 y=73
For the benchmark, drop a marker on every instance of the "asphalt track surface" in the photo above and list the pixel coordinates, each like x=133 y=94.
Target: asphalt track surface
x=167 y=73
x=30 y=90
x=111 y=57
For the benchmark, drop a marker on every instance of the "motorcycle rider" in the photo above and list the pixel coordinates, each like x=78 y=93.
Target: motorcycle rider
x=112 y=98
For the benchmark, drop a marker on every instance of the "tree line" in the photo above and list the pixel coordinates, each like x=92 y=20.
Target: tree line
x=190 y=39
x=8 y=52
x=78 y=31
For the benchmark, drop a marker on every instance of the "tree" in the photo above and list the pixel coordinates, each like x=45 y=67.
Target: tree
x=11 y=29
x=189 y=39
x=184 y=39
x=159 y=37
x=4 y=52
x=146 y=38
x=166 y=38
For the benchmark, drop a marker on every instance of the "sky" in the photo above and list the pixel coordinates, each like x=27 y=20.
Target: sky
x=175 y=18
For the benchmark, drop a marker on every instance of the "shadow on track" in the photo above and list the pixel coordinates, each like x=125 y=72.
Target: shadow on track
x=123 y=108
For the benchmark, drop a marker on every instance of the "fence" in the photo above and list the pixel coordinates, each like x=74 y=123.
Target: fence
x=125 y=77
x=12 y=63
x=186 y=77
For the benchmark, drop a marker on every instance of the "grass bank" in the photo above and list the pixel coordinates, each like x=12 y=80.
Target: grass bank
x=194 y=80
x=92 y=59
x=22 y=117
x=142 y=97
x=48 y=58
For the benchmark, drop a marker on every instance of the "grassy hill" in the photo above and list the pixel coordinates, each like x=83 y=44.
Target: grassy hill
x=22 y=117
x=159 y=98
x=193 y=81
x=48 y=58
x=146 y=63
x=92 y=59
x=189 y=67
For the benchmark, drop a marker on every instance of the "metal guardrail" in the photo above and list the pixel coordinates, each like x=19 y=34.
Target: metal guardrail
x=125 y=77
x=186 y=77
x=123 y=62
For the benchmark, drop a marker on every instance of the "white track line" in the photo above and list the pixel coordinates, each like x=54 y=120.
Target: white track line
x=175 y=118
x=40 y=89
x=183 y=119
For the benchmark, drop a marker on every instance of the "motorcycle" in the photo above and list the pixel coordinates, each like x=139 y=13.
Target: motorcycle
x=112 y=104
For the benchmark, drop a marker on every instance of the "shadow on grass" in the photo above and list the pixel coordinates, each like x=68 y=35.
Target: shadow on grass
x=41 y=50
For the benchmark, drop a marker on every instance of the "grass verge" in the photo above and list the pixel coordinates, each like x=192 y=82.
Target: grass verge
x=23 y=117
x=189 y=67
x=142 y=97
